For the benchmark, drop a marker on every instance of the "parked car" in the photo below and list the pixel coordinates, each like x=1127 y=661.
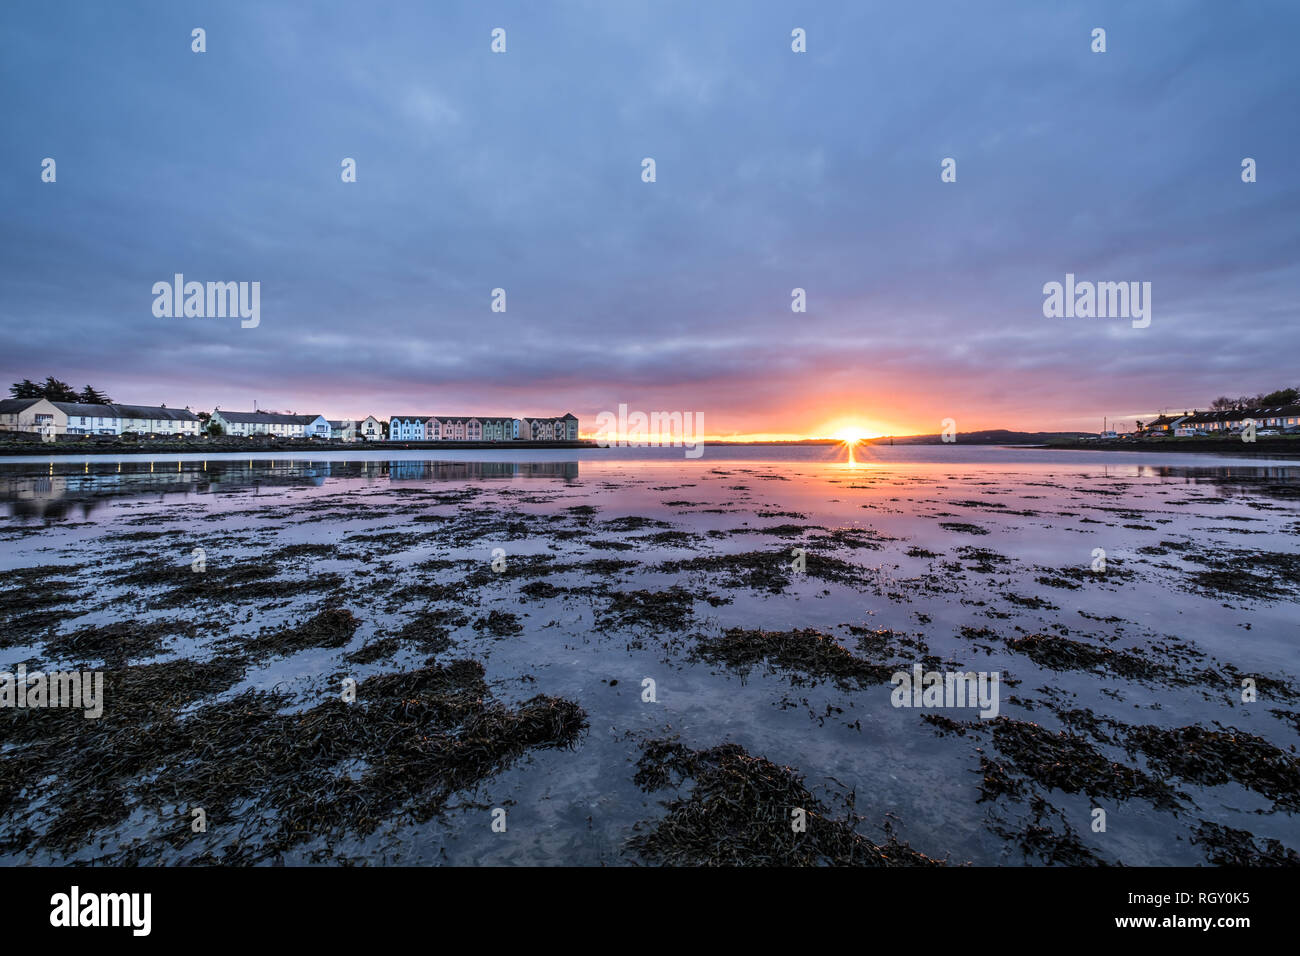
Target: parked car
x=1268 y=432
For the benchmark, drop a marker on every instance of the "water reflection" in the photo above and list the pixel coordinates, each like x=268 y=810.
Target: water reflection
x=61 y=490
x=1281 y=482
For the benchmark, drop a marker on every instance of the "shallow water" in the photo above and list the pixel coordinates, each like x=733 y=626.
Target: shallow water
x=896 y=521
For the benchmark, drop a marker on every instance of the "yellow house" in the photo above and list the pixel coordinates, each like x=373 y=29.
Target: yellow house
x=37 y=415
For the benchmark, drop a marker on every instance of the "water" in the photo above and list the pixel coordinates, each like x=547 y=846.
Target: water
x=947 y=547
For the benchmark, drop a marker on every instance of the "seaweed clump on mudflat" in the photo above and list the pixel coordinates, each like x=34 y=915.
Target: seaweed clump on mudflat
x=804 y=651
x=1064 y=761
x=1214 y=757
x=268 y=780
x=1226 y=846
x=1263 y=575
x=35 y=600
x=741 y=812
x=770 y=571
x=1060 y=653
x=669 y=610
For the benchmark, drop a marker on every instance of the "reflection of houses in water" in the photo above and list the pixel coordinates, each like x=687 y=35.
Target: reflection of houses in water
x=56 y=491
x=1281 y=482
x=41 y=496
x=475 y=470
x=316 y=473
x=53 y=491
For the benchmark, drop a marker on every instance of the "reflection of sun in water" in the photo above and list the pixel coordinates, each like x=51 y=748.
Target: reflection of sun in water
x=850 y=438
x=851 y=433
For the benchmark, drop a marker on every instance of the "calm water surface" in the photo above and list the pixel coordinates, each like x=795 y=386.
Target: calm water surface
x=948 y=545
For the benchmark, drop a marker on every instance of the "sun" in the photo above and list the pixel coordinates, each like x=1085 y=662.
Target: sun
x=851 y=436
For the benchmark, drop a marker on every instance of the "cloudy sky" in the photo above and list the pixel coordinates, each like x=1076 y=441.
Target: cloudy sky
x=775 y=170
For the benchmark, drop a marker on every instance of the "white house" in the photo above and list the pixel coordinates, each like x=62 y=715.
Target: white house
x=271 y=424
x=114 y=419
x=77 y=418
x=371 y=429
x=1278 y=416
x=343 y=430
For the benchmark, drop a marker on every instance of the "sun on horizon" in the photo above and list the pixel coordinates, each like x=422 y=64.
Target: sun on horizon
x=850 y=431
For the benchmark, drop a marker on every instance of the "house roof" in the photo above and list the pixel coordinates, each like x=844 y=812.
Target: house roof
x=11 y=406
x=264 y=418
x=149 y=412
x=1240 y=414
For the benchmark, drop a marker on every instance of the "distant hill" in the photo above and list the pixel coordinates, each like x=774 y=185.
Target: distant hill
x=991 y=436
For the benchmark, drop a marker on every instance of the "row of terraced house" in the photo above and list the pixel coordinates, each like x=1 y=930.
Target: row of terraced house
x=1282 y=418
x=51 y=419
x=48 y=418
x=481 y=428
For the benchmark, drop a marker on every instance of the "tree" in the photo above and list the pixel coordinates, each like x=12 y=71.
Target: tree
x=215 y=429
x=93 y=396
x=1283 y=396
x=57 y=391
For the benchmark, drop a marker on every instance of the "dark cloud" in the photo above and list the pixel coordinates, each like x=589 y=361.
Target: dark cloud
x=522 y=171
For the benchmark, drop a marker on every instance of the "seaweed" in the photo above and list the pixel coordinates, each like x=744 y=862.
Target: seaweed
x=670 y=610
x=739 y=812
x=1226 y=846
x=332 y=627
x=802 y=652
x=1067 y=762
x=1214 y=757
x=270 y=780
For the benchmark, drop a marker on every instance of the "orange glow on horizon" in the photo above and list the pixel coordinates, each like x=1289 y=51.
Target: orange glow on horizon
x=845 y=429
x=758 y=437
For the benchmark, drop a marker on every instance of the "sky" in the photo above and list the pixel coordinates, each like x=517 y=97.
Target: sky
x=774 y=170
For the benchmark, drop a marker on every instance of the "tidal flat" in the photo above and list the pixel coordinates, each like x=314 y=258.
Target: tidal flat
x=629 y=657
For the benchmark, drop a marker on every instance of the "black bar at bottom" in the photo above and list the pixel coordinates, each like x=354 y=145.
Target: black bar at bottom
x=336 y=905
